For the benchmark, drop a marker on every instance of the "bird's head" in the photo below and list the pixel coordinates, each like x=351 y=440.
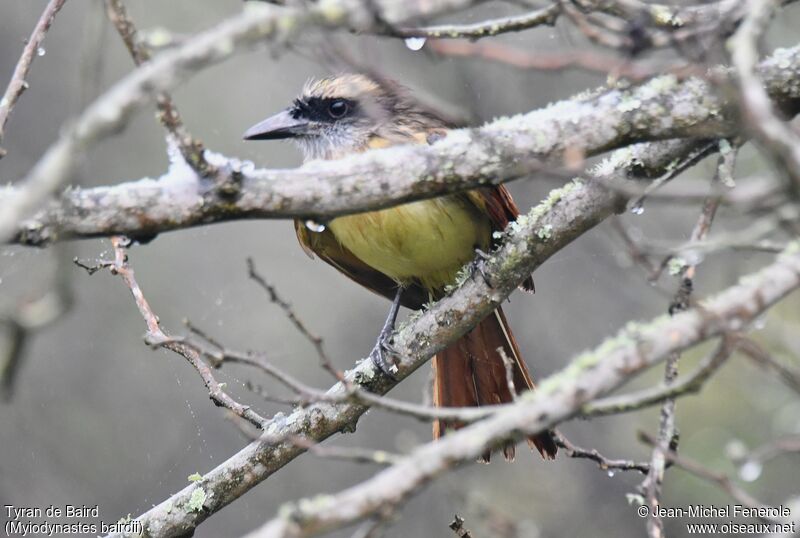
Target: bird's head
x=338 y=115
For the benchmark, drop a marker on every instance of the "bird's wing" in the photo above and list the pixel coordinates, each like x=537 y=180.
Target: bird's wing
x=496 y=202
x=325 y=245
x=329 y=250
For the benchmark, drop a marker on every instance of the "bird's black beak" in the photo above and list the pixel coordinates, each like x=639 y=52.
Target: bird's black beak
x=281 y=125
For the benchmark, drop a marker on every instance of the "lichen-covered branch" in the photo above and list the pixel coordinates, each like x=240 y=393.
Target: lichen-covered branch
x=778 y=137
x=505 y=149
x=544 y=16
x=559 y=397
x=566 y=214
x=111 y=111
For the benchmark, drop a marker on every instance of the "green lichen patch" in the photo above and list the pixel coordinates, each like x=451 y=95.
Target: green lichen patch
x=545 y=232
x=676 y=265
x=196 y=500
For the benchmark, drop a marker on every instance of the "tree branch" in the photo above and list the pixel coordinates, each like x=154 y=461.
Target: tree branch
x=544 y=16
x=559 y=397
x=111 y=111
x=779 y=139
x=192 y=149
x=566 y=214
x=505 y=149
x=17 y=85
x=156 y=337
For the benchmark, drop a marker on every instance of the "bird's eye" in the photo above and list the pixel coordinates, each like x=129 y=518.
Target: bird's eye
x=338 y=109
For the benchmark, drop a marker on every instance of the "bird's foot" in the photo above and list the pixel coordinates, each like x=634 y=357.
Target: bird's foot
x=479 y=266
x=381 y=353
x=381 y=356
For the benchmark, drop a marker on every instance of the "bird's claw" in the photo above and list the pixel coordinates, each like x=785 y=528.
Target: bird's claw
x=380 y=357
x=479 y=266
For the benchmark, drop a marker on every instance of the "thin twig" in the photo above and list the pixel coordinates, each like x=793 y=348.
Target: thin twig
x=634 y=251
x=17 y=85
x=606 y=464
x=192 y=149
x=779 y=139
x=357 y=455
x=315 y=340
x=156 y=337
x=721 y=480
x=667 y=430
x=674 y=171
x=591 y=375
x=680 y=386
x=771 y=450
x=586 y=60
x=788 y=374
x=508 y=365
x=546 y=16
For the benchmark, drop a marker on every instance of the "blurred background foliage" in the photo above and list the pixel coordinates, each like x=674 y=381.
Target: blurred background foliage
x=98 y=418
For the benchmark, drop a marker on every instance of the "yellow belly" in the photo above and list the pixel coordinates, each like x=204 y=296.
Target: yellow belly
x=427 y=241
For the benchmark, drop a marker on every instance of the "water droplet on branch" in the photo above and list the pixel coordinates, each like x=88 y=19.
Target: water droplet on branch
x=415 y=43
x=315 y=226
x=40 y=51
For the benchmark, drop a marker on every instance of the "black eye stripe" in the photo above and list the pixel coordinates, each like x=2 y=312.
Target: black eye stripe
x=319 y=108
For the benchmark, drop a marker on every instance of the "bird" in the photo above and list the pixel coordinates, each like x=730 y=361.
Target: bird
x=408 y=253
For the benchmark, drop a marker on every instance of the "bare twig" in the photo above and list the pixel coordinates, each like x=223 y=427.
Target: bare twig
x=546 y=16
x=586 y=378
x=680 y=386
x=788 y=374
x=723 y=175
x=315 y=340
x=674 y=171
x=520 y=145
x=27 y=317
x=779 y=139
x=112 y=110
x=17 y=85
x=191 y=148
x=585 y=60
x=155 y=336
x=721 y=480
x=667 y=430
x=771 y=450
x=357 y=455
x=606 y=464
x=635 y=252
x=508 y=364
x=567 y=213
x=218 y=355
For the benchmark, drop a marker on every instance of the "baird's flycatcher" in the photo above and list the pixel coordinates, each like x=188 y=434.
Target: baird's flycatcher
x=409 y=252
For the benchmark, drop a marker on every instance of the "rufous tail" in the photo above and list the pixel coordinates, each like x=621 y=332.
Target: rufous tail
x=471 y=372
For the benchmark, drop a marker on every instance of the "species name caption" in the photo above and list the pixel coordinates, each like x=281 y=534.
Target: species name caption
x=772 y=519
x=63 y=520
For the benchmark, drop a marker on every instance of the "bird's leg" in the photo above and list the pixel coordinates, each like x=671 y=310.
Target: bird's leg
x=380 y=353
x=479 y=265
